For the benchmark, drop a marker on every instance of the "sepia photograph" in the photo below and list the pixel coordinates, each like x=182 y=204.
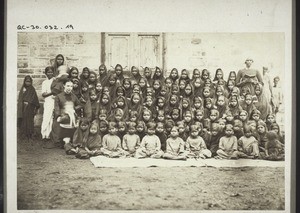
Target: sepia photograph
x=185 y=120
x=134 y=108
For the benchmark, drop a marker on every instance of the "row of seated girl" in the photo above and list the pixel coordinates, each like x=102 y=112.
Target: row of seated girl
x=171 y=141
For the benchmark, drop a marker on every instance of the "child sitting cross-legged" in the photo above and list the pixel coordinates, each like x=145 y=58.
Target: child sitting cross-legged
x=195 y=144
x=131 y=141
x=150 y=145
x=111 y=143
x=175 y=146
x=92 y=146
x=228 y=145
x=274 y=149
x=248 y=145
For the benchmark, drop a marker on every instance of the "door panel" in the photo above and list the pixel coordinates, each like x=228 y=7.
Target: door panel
x=133 y=49
x=118 y=50
x=149 y=51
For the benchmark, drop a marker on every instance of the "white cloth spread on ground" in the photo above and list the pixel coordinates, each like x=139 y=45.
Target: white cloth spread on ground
x=101 y=162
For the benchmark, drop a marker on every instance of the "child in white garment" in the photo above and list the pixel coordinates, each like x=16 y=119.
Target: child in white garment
x=150 y=145
x=131 y=141
x=175 y=146
x=195 y=144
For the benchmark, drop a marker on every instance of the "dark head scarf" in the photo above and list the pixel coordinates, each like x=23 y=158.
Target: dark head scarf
x=27 y=94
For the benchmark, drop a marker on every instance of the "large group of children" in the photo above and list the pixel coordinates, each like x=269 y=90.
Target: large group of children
x=178 y=116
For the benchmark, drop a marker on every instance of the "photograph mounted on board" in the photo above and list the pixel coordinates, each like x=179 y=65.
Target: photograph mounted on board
x=151 y=121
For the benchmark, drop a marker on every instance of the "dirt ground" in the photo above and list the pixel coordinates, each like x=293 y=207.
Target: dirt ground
x=50 y=179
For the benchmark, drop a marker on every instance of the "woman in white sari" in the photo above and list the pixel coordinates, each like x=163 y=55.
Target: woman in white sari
x=48 y=104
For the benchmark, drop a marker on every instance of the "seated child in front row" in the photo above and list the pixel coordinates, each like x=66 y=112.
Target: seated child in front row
x=175 y=146
x=274 y=149
x=248 y=145
x=92 y=146
x=195 y=144
x=131 y=141
x=111 y=143
x=228 y=144
x=79 y=138
x=150 y=145
x=160 y=132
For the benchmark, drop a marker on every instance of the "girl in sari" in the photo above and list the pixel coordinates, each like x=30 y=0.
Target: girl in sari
x=28 y=104
x=48 y=104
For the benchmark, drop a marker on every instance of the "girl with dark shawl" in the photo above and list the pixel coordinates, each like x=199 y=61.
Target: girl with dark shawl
x=136 y=103
x=220 y=90
x=216 y=134
x=231 y=77
x=73 y=73
x=181 y=84
x=84 y=76
x=105 y=103
x=149 y=103
x=120 y=91
x=76 y=87
x=262 y=103
x=208 y=106
x=126 y=83
x=92 y=81
x=79 y=138
x=103 y=74
x=158 y=75
x=135 y=73
x=28 y=104
x=93 y=144
x=196 y=74
x=219 y=77
x=91 y=107
x=119 y=73
x=164 y=92
x=234 y=106
x=168 y=83
x=148 y=75
x=248 y=104
x=222 y=106
x=204 y=75
x=98 y=89
x=143 y=84
x=121 y=103
x=112 y=84
x=58 y=61
x=185 y=106
x=174 y=75
x=262 y=138
x=197 y=87
x=85 y=96
x=157 y=84
x=189 y=92
x=172 y=103
x=185 y=76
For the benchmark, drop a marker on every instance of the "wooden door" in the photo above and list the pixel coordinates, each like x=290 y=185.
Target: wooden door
x=118 y=50
x=149 y=50
x=133 y=49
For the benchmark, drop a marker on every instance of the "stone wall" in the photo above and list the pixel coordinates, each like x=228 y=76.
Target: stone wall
x=224 y=50
x=38 y=50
